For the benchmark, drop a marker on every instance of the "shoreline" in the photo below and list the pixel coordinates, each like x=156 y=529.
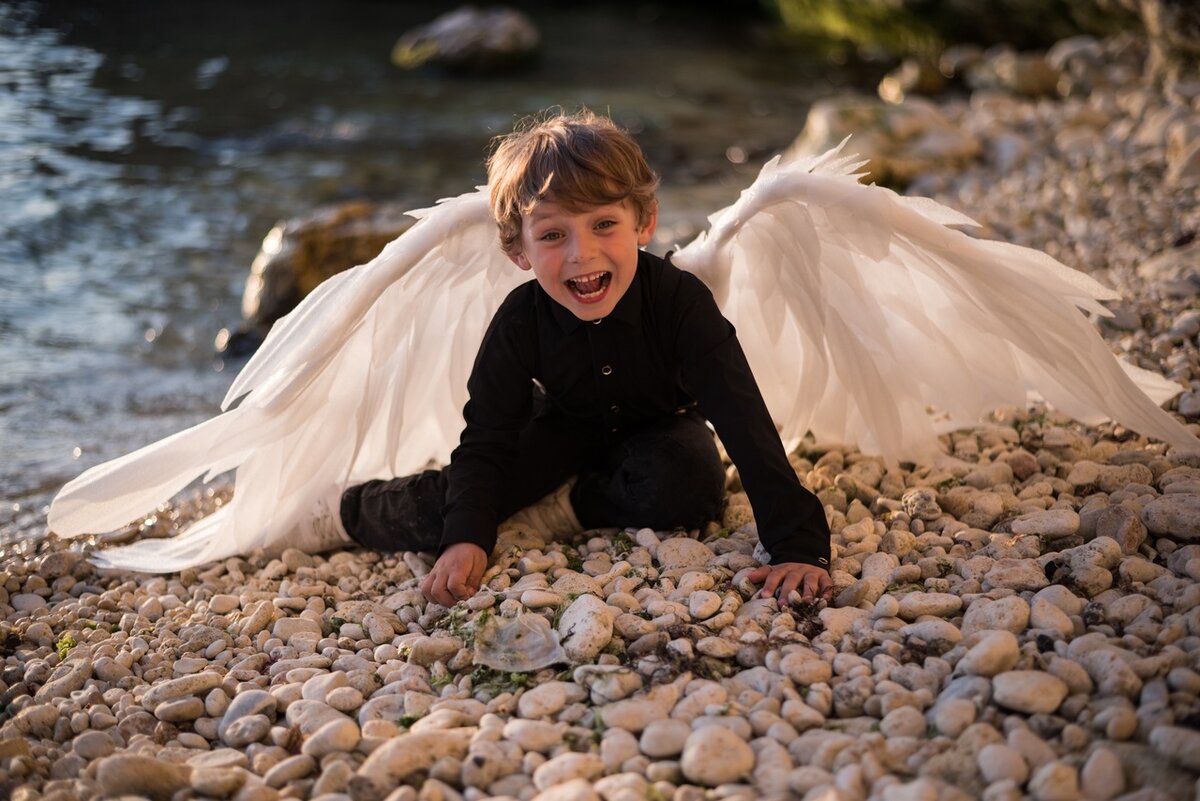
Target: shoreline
x=1019 y=618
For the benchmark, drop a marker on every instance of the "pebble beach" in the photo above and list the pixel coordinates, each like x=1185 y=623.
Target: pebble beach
x=1019 y=618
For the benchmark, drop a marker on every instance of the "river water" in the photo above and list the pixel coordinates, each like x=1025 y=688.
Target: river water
x=147 y=147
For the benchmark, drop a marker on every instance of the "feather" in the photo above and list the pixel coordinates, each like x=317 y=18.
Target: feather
x=858 y=309
x=903 y=312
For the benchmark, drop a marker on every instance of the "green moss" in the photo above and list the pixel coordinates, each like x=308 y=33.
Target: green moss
x=64 y=645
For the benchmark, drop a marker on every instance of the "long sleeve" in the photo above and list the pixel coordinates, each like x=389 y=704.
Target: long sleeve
x=500 y=389
x=791 y=520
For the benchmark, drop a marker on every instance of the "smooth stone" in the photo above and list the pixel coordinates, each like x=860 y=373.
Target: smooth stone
x=1004 y=614
x=400 y=757
x=662 y=739
x=135 y=774
x=218 y=782
x=533 y=735
x=319 y=686
x=223 y=604
x=1102 y=777
x=805 y=668
x=1061 y=597
x=1055 y=781
x=939 y=604
x=78 y=671
x=180 y=710
x=424 y=651
x=714 y=755
x=995 y=652
x=179 y=688
x=1029 y=691
x=1046 y=616
x=246 y=730
x=1052 y=523
x=953 y=715
x=677 y=552
x=998 y=762
x=576 y=790
x=548 y=699
x=336 y=736
x=940 y=634
x=703 y=604
x=1180 y=745
x=93 y=745
x=1016 y=574
x=567 y=767
x=291 y=769
x=244 y=704
x=27 y=602
x=287 y=627
x=586 y=627
x=905 y=721
x=309 y=716
x=1176 y=516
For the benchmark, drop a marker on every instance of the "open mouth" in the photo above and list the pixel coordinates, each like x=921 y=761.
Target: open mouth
x=589 y=288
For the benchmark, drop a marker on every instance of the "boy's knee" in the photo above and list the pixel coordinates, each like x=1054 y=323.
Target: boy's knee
x=674 y=483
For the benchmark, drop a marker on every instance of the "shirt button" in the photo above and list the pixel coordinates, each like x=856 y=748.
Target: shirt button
x=606 y=370
x=614 y=430
x=614 y=408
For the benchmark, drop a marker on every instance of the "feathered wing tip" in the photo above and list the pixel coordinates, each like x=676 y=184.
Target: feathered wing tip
x=859 y=309
x=365 y=379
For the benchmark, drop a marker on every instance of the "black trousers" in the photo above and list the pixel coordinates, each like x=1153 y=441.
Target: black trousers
x=665 y=475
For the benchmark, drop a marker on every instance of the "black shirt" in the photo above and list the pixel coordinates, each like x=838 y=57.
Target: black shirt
x=665 y=346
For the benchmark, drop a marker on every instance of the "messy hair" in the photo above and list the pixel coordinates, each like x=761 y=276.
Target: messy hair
x=580 y=160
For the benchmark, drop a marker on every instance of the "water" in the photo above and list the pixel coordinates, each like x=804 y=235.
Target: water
x=146 y=148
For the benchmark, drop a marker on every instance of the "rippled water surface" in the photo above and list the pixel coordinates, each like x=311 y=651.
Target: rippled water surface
x=146 y=148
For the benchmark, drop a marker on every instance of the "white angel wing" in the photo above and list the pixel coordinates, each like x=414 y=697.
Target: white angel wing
x=859 y=308
x=365 y=379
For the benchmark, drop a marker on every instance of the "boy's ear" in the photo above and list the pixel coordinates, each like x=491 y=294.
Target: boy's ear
x=646 y=232
x=518 y=258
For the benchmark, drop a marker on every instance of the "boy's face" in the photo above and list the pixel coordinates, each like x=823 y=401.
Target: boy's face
x=585 y=261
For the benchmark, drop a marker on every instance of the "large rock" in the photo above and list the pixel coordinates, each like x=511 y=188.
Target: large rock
x=899 y=141
x=300 y=253
x=470 y=40
x=1176 y=516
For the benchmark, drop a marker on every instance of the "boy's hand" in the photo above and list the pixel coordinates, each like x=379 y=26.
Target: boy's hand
x=811 y=581
x=456 y=574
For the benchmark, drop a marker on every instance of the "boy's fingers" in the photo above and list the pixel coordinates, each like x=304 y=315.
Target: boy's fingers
x=772 y=583
x=790 y=582
x=811 y=587
x=759 y=573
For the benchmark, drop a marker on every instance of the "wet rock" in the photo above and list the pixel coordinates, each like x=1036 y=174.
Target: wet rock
x=300 y=253
x=900 y=141
x=470 y=40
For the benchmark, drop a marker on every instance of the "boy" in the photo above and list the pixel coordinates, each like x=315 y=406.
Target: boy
x=596 y=374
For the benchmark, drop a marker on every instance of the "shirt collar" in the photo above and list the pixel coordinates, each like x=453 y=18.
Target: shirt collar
x=628 y=310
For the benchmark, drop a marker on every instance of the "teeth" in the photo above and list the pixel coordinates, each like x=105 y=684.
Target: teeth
x=588 y=284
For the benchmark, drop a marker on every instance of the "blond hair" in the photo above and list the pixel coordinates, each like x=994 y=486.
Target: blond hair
x=579 y=160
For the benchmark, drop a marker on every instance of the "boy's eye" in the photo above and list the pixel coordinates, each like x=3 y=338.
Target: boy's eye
x=606 y=223
x=550 y=236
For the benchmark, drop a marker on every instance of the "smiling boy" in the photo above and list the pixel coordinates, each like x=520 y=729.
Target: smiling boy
x=600 y=373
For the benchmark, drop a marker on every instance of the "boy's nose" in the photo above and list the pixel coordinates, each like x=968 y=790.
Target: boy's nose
x=582 y=249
